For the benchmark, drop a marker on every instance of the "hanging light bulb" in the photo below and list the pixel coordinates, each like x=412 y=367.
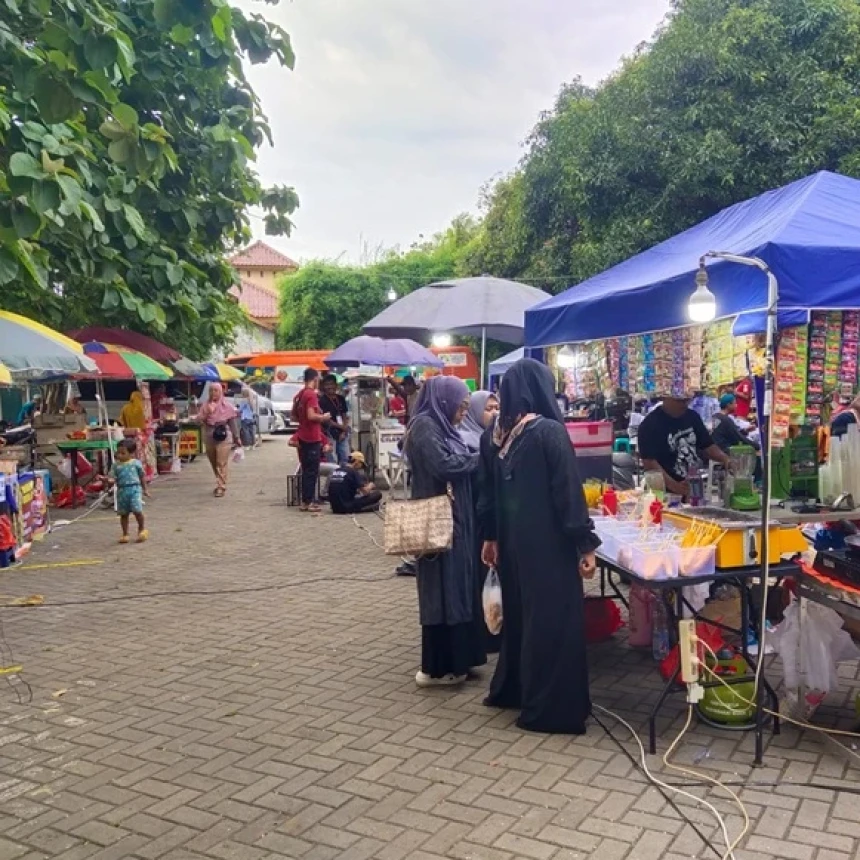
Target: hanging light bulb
x=566 y=358
x=441 y=340
x=702 y=305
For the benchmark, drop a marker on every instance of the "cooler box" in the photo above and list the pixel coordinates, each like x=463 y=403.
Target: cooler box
x=593 y=441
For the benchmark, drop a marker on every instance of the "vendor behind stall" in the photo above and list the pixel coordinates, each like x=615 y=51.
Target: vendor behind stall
x=844 y=419
x=670 y=440
x=408 y=389
x=74 y=407
x=29 y=410
x=133 y=414
x=726 y=430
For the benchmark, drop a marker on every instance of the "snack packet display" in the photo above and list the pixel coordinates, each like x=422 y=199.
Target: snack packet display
x=791 y=378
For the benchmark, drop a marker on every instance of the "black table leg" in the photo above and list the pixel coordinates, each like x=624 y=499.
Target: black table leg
x=652 y=717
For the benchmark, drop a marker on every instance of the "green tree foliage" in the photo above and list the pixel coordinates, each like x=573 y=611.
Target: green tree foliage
x=324 y=304
x=127 y=138
x=730 y=99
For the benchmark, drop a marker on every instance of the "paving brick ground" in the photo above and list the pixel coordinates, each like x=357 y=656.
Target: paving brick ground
x=282 y=720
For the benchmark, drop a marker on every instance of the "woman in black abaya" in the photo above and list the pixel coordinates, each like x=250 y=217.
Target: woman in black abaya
x=451 y=641
x=542 y=541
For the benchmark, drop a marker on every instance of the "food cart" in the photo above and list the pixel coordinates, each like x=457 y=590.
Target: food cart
x=367 y=418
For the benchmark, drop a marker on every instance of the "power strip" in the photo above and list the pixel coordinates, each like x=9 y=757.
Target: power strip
x=689 y=653
x=687 y=639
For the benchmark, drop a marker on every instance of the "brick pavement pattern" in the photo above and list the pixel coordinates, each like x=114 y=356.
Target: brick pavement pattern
x=279 y=718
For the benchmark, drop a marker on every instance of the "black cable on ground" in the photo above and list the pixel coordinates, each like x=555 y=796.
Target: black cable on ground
x=666 y=796
x=215 y=592
x=733 y=783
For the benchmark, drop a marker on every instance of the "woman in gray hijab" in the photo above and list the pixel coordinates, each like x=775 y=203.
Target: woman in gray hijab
x=447 y=591
x=483 y=409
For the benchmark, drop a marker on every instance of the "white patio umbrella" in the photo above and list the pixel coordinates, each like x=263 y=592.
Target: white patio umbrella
x=31 y=350
x=484 y=307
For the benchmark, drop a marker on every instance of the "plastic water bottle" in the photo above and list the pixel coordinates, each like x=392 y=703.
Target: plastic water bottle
x=661 y=642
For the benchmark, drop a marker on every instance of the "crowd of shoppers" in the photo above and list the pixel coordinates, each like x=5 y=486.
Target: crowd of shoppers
x=507 y=465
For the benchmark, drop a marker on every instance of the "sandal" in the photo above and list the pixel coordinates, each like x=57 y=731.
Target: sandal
x=219 y=492
x=124 y=539
x=311 y=509
x=142 y=536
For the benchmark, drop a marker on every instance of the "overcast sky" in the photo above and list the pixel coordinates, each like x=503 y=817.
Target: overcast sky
x=400 y=110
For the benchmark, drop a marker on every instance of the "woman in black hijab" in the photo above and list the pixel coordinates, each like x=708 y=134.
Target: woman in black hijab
x=542 y=541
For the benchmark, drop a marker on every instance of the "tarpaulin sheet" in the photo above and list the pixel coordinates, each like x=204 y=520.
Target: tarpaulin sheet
x=500 y=366
x=807 y=232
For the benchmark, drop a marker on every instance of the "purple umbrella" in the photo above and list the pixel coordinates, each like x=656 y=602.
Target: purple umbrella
x=377 y=352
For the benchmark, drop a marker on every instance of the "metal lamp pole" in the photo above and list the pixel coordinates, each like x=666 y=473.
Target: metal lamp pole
x=766 y=450
x=483 y=355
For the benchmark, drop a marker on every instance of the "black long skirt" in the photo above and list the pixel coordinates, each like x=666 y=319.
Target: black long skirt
x=451 y=650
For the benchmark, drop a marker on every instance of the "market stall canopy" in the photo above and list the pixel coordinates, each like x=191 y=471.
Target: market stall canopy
x=5 y=375
x=755 y=322
x=156 y=350
x=500 y=366
x=114 y=362
x=31 y=350
x=483 y=306
x=808 y=232
x=377 y=352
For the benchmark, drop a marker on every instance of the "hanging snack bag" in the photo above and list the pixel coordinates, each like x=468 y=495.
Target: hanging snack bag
x=492 y=600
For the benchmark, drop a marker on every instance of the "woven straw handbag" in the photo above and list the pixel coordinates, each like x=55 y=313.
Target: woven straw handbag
x=419 y=526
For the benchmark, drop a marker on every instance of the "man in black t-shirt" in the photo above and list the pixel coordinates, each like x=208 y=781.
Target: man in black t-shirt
x=349 y=490
x=334 y=403
x=670 y=440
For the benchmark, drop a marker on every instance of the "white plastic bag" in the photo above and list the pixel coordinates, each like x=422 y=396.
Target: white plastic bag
x=820 y=639
x=238 y=455
x=492 y=600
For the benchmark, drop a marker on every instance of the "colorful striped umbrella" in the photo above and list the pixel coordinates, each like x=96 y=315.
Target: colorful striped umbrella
x=193 y=370
x=224 y=372
x=114 y=362
x=31 y=350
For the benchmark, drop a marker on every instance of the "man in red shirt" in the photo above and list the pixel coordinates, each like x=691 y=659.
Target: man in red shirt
x=743 y=398
x=310 y=437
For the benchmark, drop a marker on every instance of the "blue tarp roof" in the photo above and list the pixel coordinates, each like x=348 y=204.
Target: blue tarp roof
x=500 y=366
x=807 y=232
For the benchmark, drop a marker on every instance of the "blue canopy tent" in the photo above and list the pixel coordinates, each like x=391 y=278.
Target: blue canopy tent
x=807 y=232
x=500 y=366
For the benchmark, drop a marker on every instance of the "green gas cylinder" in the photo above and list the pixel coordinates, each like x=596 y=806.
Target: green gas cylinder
x=728 y=707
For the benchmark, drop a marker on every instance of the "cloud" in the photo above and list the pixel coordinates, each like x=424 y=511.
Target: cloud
x=400 y=110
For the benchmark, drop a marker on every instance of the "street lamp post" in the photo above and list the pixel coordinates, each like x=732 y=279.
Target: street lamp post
x=702 y=308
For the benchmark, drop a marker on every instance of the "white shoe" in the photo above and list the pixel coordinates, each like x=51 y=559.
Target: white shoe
x=424 y=680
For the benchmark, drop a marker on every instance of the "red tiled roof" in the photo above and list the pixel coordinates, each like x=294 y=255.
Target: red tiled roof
x=262 y=256
x=260 y=303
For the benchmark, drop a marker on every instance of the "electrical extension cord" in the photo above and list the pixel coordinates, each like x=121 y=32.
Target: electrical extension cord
x=65 y=523
x=730 y=845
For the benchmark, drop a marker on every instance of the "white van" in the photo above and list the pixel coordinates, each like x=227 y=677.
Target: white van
x=282 y=395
